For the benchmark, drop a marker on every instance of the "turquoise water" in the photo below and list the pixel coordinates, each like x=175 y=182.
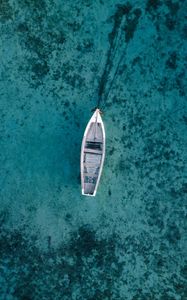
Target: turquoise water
x=58 y=59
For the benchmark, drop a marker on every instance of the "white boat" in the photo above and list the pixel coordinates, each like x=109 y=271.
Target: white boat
x=92 y=154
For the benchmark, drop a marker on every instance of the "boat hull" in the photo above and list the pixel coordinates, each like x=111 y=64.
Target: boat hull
x=92 y=154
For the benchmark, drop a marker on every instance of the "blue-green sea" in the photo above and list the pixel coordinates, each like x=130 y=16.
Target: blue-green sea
x=58 y=61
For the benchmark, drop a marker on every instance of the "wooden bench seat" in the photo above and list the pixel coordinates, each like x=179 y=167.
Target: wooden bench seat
x=92 y=164
x=90 y=175
x=86 y=150
x=95 y=141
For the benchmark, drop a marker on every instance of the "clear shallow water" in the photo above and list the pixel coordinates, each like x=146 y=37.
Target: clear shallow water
x=129 y=241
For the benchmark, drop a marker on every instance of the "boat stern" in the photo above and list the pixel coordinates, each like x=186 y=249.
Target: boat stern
x=89 y=195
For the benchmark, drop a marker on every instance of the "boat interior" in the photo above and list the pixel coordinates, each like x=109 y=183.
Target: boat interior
x=92 y=157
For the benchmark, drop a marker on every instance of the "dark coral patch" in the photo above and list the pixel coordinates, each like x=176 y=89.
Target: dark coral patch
x=152 y=5
x=173 y=234
x=38 y=40
x=6 y=12
x=40 y=69
x=22 y=27
x=172 y=61
x=170 y=22
x=172 y=6
x=84 y=263
x=131 y=25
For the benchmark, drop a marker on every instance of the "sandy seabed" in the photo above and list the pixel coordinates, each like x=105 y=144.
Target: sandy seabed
x=58 y=59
